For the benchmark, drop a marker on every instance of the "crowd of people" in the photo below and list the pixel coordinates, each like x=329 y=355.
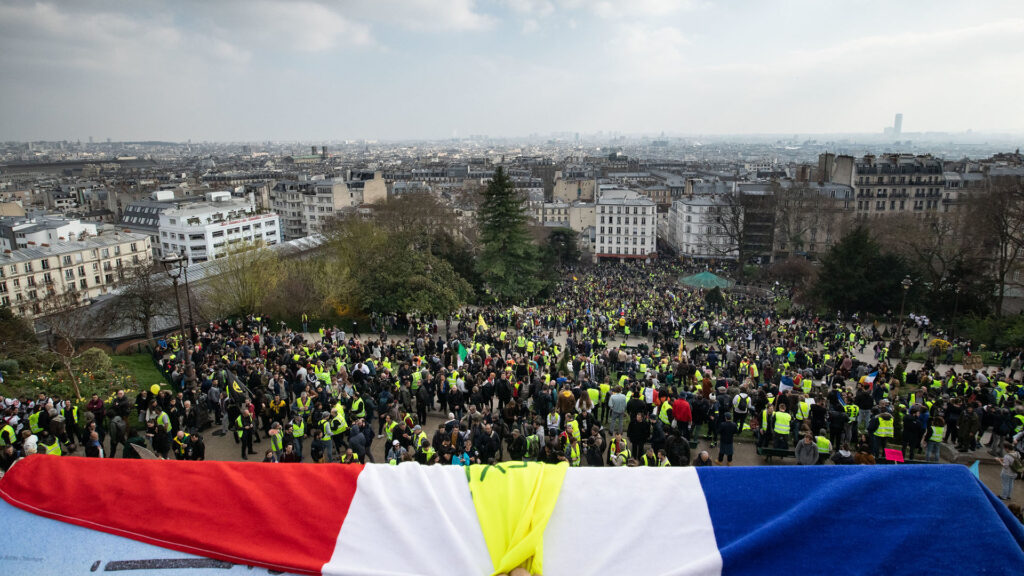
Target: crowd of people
x=621 y=366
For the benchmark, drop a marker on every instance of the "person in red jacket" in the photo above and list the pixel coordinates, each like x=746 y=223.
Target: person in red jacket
x=683 y=416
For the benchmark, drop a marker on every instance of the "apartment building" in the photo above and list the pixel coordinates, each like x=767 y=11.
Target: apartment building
x=306 y=205
x=88 y=267
x=204 y=231
x=626 y=226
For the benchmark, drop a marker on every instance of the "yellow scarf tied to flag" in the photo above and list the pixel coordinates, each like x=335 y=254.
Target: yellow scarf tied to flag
x=514 y=501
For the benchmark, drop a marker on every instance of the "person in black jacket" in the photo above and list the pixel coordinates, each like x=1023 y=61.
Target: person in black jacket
x=517 y=446
x=639 y=431
x=912 y=433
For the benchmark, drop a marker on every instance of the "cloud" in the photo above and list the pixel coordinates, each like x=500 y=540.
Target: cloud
x=650 y=51
x=426 y=15
x=302 y=25
x=620 y=9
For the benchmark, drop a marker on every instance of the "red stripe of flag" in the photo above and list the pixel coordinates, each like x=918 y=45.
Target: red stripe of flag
x=278 y=516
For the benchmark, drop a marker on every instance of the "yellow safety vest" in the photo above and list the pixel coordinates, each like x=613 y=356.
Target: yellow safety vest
x=782 y=420
x=884 y=428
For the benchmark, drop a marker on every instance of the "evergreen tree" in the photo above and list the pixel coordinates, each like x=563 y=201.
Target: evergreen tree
x=509 y=261
x=856 y=276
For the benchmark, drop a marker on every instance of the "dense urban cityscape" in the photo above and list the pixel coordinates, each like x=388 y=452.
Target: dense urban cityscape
x=511 y=287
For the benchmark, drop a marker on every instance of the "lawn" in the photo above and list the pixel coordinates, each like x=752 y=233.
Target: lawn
x=141 y=368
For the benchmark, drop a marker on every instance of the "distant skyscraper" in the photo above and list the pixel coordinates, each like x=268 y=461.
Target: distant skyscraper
x=897 y=125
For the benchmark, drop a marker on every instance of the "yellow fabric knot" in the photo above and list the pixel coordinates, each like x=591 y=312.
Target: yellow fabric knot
x=513 y=502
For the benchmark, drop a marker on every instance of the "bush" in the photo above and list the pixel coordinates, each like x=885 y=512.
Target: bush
x=9 y=367
x=95 y=360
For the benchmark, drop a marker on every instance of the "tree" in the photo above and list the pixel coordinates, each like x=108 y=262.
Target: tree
x=242 y=278
x=793 y=271
x=387 y=273
x=563 y=247
x=68 y=322
x=508 y=262
x=805 y=218
x=17 y=337
x=144 y=297
x=856 y=276
x=996 y=223
x=945 y=259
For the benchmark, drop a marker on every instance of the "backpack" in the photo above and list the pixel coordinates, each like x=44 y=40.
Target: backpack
x=1017 y=465
x=741 y=404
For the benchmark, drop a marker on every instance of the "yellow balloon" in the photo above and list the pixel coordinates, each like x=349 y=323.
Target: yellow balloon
x=155 y=388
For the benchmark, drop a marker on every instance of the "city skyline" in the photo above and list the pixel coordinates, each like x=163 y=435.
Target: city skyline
x=429 y=69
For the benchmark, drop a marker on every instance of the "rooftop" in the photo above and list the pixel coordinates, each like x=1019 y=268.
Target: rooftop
x=35 y=251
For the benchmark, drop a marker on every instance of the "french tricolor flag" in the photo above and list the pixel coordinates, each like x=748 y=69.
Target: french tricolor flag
x=74 y=515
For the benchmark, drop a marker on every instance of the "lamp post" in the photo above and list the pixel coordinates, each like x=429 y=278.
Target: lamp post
x=174 y=265
x=906 y=284
x=956 y=303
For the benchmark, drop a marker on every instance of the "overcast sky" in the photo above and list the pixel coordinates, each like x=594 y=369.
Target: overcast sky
x=391 y=69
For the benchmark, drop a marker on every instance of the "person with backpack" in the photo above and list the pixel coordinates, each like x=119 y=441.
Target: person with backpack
x=741 y=407
x=1012 y=467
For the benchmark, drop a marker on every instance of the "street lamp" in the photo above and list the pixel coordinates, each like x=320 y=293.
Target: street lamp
x=174 y=265
x=906 y=283
x=956 y=303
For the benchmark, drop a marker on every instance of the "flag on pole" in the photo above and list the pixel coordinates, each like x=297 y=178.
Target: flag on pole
x=463 y=354
x=869 y=379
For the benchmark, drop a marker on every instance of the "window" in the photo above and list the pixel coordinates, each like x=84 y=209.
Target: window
x=67 y=260
x=109 y=278
x=218 y=234
x=83 y=284
x=3 y=287
x=69 y=274
x=28 y=266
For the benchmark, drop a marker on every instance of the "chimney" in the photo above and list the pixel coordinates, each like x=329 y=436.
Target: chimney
x=314 y=150
x=323 y=151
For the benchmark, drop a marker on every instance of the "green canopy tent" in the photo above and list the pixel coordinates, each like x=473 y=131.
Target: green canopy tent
x=705 y=280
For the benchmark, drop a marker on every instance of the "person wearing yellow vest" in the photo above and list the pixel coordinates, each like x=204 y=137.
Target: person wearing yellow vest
x=572 y=427
x=298 y=434
x=304 y=406
x=649 y=459
x=180 y=442
x=33 y=422
x=7 y=435
x=572 y=452
x=881 y=430
x=936 y=431
x=276 y=435
x=801 y=416
x=244 y=426
x=48 y=445
x=663 y=460
x=783 y=424
x=824 y=446
x=618 y=451
x=663 y=412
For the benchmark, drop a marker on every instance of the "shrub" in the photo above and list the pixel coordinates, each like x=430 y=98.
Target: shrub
x=9 y=367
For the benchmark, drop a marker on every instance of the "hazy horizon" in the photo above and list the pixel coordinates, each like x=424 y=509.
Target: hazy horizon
x=394 y=70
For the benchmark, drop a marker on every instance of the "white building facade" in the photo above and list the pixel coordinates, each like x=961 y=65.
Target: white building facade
x=89 y=268
x=626 y=226
x=694 y=227
x=206 y=230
